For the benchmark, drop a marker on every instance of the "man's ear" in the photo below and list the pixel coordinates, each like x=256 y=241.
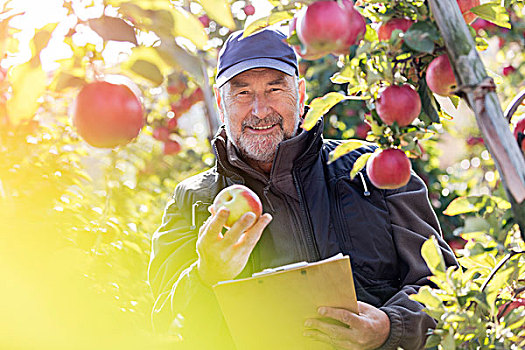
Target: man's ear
x=218 y=100
x=302 y=94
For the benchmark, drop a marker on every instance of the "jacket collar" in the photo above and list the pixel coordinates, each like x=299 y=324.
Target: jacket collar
x=296 y=152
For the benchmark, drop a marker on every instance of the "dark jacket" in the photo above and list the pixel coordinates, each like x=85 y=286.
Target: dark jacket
x=318 y=211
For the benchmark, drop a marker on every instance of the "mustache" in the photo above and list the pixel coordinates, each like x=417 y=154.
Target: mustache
x=252 y=121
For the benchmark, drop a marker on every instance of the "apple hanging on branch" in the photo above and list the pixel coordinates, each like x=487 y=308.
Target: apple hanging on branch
x=330 y=27
x=107 y=115
x=389 y=168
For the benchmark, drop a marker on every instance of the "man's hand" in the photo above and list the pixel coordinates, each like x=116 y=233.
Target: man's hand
x=367 y=330
x=223 y=257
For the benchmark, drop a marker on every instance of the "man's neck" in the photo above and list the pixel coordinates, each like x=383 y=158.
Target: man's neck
x=260 y=166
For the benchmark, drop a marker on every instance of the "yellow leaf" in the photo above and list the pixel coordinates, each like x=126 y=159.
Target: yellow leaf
x=28 y=82
x=149 y=54
x=345 y=148
x=219 y=10
x=188 y=26
x=319 y=106
x=264 y=22
x=359 y=164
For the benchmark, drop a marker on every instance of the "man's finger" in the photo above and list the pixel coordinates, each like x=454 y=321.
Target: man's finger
x=239 y=227
x=342 y=315
x=252 y=236
x=333 y=330
x=325 y=338
x=214 y=227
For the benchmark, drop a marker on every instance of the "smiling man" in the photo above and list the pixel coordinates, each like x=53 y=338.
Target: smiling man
x=313 y=211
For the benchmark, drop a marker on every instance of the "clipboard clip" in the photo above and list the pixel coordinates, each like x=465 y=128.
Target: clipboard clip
x=280 y=268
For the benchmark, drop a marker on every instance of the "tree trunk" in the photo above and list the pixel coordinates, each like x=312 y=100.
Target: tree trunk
x=470 y=72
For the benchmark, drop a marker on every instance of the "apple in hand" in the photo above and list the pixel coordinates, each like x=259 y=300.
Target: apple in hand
x=398 y=103
x=440 y=76
x=385 y=30
x=238 y=199
x=389 y=168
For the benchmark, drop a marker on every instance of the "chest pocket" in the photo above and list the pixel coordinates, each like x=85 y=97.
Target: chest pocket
x=364 y=231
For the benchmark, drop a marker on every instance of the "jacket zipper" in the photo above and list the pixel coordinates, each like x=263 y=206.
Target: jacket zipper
x=340 y=217
x=307 y=227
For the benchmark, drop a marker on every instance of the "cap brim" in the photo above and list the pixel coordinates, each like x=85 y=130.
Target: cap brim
x=263 y=62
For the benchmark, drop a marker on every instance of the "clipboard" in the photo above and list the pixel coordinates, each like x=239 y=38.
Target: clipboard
x=268 y=310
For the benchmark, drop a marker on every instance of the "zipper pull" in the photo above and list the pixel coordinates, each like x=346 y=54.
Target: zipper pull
x=367 y=192
x=193 y=213
x=265 y=193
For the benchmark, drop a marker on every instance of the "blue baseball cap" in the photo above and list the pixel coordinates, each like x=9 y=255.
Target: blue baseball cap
x=265 y=49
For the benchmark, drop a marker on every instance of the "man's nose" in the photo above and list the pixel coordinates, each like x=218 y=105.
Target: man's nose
x=260 y=107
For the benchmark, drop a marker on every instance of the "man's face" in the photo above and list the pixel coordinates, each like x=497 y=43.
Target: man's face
x=260 y=108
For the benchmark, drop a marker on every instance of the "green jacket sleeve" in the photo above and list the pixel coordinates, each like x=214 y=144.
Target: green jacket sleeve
x=413 y=222
x=184 y=306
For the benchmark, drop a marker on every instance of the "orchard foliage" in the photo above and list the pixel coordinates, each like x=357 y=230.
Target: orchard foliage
x=77 y=220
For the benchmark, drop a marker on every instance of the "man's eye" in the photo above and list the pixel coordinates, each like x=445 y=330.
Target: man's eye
x=275 y=89
x=243 y=92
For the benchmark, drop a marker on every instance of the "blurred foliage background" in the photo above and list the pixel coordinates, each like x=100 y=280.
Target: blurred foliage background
x=76 y=221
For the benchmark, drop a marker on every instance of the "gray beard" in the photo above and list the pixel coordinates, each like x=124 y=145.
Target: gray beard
x=261 y=148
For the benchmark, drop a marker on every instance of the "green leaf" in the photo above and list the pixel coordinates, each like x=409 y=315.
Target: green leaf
x=219 y=10
x=476 y=224
x=65 y=80
x=448 y=342
x=261 y=23
x=359 y=164
x=421 y=36
x=454 y=100
x=427 y=103
x=427 y=297
x=148 y=71
x=493 y=12
x=172 y=54
x=431 y=253
x=321 y=105
x=345 y=148
x=113 y=28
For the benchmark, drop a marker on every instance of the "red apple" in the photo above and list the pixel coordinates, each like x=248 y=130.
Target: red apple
x=107 y=115
x=385 y=30
x=520 y=126
x=457 y=243
x=465 y=6
x=508 y=70
x=176 y=88
x=238 y=199
x=440 y=76
x=172 y=147
x=398 y=103
x=249 y=10
x=205 y=20
x=172 y=123
x=481 y=23
x=305 y=53
x=161 y=133
x=475 y=140
x=362 y=130
x=330 y=26
x=504 y=309
x=389 y=168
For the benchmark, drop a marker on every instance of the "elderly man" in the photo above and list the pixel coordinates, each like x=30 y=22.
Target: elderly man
x=313 y=211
